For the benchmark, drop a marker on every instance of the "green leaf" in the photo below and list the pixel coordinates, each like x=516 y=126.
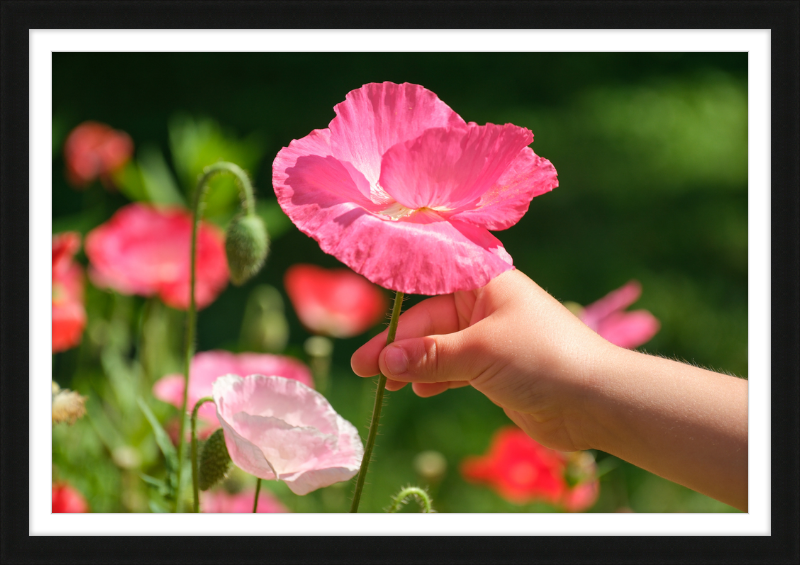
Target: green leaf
x=129 y=181
x=162 y=439
x=156 y=508
x=196 y=143
x=152 y=481
x=159 y=183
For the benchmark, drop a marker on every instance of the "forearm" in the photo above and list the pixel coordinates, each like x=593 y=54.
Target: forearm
x=683 y=423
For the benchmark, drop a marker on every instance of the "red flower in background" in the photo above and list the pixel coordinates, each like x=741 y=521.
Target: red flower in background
x=335 y=302
x=93 y=150
x=67 y=500
x=521 y=470
x=69 y=315
x=145 y=250
x=625 y=329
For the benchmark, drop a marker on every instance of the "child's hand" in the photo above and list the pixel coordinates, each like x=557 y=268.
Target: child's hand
x=567 y=387
x=510 y=340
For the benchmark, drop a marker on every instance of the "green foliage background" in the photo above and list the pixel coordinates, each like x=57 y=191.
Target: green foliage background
x=651 y=153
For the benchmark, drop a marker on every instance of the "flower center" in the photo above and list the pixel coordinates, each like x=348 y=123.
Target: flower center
x=397 y=211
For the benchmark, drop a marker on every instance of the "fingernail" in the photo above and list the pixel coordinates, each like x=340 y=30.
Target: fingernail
x=396 y=360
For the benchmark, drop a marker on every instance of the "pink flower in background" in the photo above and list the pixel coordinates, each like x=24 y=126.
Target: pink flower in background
x=67 y=500
x=219 y=502
x=277 y=428
x=335 y=302
x=145 y=250
x=625 y=329
x=403 y=191
x=69 y=314
x=207 y=366
x=521 y=470
x=93 y=150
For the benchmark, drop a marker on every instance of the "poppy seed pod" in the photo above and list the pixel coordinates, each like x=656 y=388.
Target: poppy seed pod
x=246 y=244
x=214 y=461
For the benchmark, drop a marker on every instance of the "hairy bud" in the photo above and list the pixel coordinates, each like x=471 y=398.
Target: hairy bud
x=246 y=245
x=214 y=461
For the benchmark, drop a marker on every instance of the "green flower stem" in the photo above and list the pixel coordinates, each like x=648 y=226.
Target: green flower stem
x=418 y=493
x=248 y=203
x=195 y=472
x=258 y=491
x=376 y=411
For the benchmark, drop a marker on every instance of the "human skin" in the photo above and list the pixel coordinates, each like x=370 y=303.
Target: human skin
x=567 y=387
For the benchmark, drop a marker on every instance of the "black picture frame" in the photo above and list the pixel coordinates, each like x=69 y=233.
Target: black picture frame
x=782 y=18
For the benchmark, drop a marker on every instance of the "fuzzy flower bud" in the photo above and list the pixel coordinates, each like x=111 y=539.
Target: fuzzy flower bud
x=247 y=245
x=214 y=461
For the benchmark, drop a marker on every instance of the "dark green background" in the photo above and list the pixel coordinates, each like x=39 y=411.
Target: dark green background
x=651 y=154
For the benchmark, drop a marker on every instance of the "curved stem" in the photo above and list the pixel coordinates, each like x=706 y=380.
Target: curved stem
x=420 y=494
x=376 y=411
x=195 y=472
x=248 y=203
x=258 y=491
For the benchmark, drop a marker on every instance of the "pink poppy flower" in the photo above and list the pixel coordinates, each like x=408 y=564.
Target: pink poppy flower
x=625 y=329
x=67 y=500
x=335 y=302
x=93 y=150
x=207 y=366
x=401 y=190
x=521 y=471
x=145 y=250
x=277 y=428
x=221 y=502
x=69 y=315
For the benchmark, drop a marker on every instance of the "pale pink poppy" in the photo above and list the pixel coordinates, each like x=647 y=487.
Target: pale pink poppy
x=145 y=250
x=219 y=502
x=403 y=191
x=277 y=428
x=94 y=150
x=625 y=329
x=69 y=314
x=207 y=366
x=334 y=302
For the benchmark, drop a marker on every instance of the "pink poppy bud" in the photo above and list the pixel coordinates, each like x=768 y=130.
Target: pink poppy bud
x=403 y=191
x=144 y=250
x=280 y=429
x=207 y=366
x=335 y=302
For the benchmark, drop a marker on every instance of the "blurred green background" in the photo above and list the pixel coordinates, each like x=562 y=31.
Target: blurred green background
x=651 y=154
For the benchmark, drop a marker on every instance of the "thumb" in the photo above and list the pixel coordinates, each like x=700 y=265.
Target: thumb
x=459 y=356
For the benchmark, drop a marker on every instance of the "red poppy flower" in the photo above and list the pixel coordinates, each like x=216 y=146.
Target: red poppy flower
x=145 y=250
x=93 y=150
x=68 y=500
x=69 y=315
x=335 y=302
x=522 y=471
